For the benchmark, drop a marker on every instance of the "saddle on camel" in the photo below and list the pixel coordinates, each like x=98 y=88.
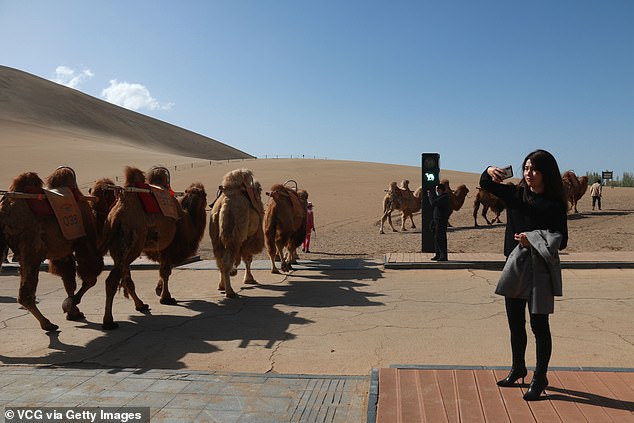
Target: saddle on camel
x=55 y=223
x=168 y=232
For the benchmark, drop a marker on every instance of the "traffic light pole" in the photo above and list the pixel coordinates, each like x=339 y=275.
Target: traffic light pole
x=431 y=178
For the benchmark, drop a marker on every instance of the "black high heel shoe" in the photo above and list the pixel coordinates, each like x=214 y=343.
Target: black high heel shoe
x=538 y=384
x=513 y=376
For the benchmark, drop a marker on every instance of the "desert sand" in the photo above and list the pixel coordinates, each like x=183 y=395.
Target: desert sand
x=44 y=125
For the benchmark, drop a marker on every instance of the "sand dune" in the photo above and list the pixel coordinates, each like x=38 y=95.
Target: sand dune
x=44 y=125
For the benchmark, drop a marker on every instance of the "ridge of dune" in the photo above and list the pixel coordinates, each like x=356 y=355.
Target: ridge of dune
x=29 y=99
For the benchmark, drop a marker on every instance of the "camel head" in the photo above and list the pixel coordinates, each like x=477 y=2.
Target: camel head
x=133 y=176
x=276 y=191
x=458 y=197
x=159 y=176
x=63 y=176
x=105 y=197
x=28 y=179
x=303 y=197
x=195 y=196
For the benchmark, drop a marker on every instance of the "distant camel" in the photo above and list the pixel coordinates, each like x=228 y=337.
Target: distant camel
x=407 y=202
x=488 y=201
x=575 y=187
x=457 y=197
x=235 y=226
x=131 y=230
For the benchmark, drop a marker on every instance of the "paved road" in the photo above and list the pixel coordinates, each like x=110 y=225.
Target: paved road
x=305 y=341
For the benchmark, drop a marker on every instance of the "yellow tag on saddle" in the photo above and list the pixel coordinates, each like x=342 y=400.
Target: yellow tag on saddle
x=166 y=202
x=66 y=211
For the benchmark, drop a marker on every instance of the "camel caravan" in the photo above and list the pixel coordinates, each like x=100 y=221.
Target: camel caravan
x=409 y=203
x=56 y=221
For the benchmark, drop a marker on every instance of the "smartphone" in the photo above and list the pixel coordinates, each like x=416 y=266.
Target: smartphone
x=508 y=172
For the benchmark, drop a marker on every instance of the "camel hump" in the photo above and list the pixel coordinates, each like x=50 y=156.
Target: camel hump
x=237 y=179
x=63 y=176
x=27 y=179
x=159 y=176
x=133 y=176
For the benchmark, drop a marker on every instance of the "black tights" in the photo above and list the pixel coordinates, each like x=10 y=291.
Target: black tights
x=516 y=314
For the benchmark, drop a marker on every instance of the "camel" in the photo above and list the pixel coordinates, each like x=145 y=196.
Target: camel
x=130 y=230
x=575 y=187
x=235 y=226
x=488 y=201
x=395 y=199
x=457 y=197
x=34 y=237
x=284 y=225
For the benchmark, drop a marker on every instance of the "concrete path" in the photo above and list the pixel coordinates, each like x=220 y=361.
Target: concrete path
x=339 y=318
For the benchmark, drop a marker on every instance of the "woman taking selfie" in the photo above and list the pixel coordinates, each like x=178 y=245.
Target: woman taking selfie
x=536 y=228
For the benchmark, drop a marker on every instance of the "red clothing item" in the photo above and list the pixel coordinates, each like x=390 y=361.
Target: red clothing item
x=310 y=221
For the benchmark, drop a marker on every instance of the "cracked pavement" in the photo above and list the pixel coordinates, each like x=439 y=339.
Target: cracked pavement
x=319 y=320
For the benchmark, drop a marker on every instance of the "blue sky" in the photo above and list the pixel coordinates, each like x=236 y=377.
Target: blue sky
x=480 y=82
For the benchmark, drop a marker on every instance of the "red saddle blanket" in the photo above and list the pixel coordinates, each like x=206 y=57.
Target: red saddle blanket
x=39 y=207
x=159 y=200
x=150 y=205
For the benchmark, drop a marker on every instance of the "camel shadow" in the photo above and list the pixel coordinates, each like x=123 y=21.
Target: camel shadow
x=327 y=286
x=161 y=341
x=589 y=214
x=580 y=397
x=476 y=228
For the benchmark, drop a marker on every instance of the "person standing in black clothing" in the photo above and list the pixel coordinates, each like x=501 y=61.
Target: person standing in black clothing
x=440 y=220
x=537 y=202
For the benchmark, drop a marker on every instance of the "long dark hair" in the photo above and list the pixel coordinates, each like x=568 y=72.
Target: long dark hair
x=545 y=163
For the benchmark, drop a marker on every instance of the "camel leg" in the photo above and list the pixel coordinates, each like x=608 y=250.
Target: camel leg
x=112 y=283
x=248 y=276
x=403 y=219
x=165 y=271
x=285 y=265
x=66 y=268
x=129 y=289
x=26 y=294
x=411 y=218
x=484 y=214
x=389 y=220
x=272 y=250
x=225 y=267
x=476 y=207
x=234 y=268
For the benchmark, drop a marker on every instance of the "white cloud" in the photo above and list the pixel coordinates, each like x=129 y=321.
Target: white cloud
x=68 y=77
x=132 y=96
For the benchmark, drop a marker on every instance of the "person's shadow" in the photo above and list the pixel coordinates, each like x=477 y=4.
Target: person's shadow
x=580 y=397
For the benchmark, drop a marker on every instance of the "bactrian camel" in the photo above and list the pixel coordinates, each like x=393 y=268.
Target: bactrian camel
x=236 y=226
x=575 y=187
x=404 y=200
x=130 y=230
x=33 y=233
